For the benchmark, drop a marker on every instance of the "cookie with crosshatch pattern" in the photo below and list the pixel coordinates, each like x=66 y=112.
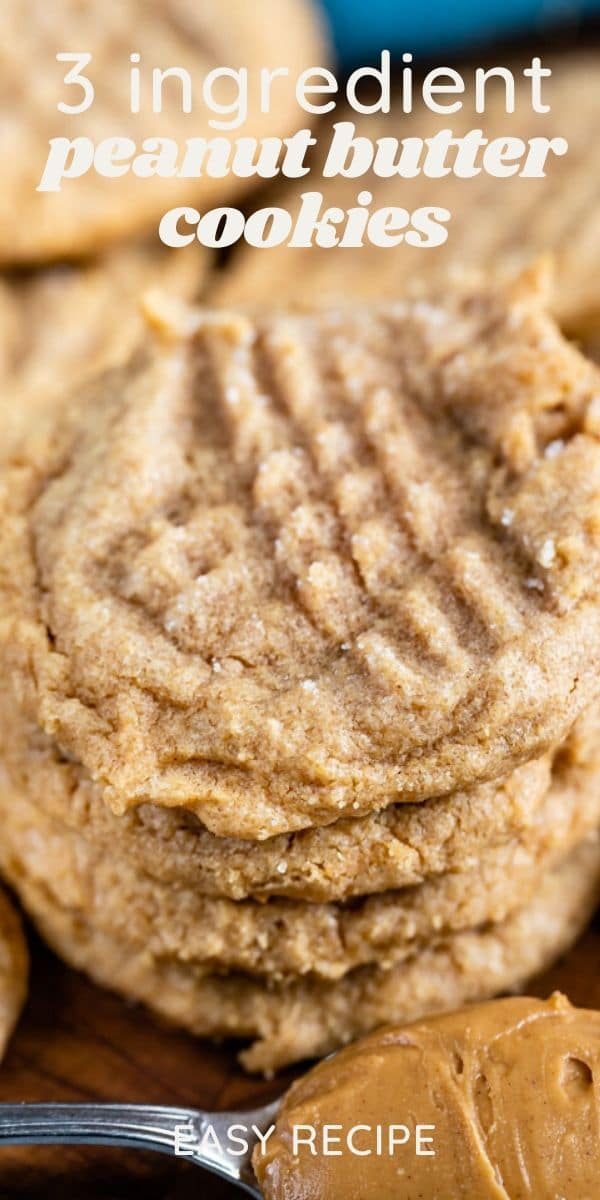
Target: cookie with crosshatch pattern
x=285 y=569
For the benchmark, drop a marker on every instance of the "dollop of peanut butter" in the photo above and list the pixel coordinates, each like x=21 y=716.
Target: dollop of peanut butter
x=512 y=1089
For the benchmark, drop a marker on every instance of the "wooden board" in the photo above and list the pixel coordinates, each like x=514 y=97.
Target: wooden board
x=76 y=1042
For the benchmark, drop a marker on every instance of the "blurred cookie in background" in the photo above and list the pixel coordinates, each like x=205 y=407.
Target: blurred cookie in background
x=194 y=36
x=61 y=324
x=497 y=224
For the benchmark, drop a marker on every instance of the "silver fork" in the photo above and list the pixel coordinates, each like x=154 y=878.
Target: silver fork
x=200 y=1137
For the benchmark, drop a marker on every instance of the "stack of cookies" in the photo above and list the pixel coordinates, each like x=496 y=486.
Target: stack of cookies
x=300 y=629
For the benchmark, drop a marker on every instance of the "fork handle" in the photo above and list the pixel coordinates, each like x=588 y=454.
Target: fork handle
x=139 y=1126
x=176 y=1131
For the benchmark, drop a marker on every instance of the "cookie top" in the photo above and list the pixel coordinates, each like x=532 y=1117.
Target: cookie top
x=283 y=570
x=92 y=210
x=498 y=224
x=14 y=966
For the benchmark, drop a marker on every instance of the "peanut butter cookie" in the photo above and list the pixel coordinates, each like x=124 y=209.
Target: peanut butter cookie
x=285 y=571
x=400 y=846
x=283 y=938
x=307 y=1017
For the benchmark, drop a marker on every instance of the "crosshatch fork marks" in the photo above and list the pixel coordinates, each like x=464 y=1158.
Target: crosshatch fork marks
x=318 y=599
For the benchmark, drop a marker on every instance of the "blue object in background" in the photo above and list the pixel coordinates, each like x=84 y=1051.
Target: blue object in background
x=361 y=28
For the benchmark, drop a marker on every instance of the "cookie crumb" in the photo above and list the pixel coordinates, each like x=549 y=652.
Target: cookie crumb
x=308 y=685
x=547 y=553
